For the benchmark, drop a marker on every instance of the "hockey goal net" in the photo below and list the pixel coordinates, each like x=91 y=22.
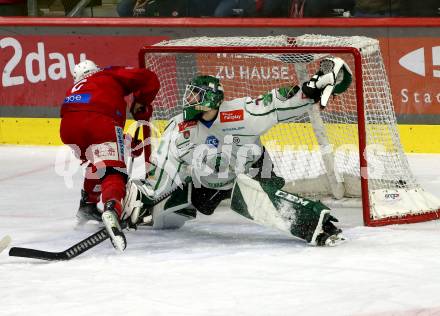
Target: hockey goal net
x=351 y=150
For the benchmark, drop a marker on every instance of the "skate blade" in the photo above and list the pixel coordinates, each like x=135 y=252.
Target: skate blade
x=335 y=240
x=118 y=241
x=113 y=228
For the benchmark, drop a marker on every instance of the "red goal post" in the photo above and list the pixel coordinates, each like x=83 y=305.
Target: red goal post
x=153 y=56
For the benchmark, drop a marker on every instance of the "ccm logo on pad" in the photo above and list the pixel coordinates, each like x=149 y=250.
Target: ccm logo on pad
x=231 y=116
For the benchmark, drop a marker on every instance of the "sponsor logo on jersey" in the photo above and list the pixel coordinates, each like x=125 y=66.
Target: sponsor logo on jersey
x=186 y=124
x=236 y=140
x=212 y=140
x=78 y=98
x=231 y=116
x=105 y=151
x=416 y=62
x=230 y=129
x=120 y=141
x=292 y=198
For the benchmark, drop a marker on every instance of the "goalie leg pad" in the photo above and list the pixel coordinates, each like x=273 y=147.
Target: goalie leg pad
x=169 y=211
x=174 y=211
x=206 y=200
x=266 y=204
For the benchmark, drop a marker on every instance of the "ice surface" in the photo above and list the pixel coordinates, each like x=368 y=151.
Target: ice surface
x=216 y=265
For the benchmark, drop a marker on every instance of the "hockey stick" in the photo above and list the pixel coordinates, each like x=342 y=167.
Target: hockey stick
x=71 y=252
x=67 y=254
x=4 y=243
x=135 y=138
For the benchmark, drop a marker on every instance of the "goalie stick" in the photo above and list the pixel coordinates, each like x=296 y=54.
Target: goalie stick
x=67 y=254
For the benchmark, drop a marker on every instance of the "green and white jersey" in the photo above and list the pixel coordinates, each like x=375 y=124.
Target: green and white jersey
x=211 y=154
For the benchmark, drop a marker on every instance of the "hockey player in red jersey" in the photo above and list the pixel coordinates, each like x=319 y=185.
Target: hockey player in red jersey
x=93 y=118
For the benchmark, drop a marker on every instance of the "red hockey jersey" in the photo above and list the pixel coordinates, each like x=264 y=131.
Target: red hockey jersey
x=104 y=91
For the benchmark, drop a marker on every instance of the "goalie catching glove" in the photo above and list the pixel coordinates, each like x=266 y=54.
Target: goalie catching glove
x=334 y=77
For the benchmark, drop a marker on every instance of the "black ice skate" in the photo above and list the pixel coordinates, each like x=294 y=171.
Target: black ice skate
x=87 y=211
x=113 y=226
x=330 y=235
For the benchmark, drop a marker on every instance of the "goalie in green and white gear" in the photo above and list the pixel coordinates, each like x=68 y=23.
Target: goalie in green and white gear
x=212 y=151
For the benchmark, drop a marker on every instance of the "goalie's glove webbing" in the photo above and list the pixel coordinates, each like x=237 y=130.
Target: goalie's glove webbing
x=310 y=90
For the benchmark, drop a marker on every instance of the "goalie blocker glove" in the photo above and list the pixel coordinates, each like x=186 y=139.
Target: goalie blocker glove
x=334 y=77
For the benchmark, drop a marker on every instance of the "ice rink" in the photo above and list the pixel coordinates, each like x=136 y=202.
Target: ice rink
x=216 y=265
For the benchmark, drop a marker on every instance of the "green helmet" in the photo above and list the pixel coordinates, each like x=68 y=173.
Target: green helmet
x=201 y=94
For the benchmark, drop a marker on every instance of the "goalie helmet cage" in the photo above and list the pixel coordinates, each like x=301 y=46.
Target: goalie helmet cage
x=350 y=150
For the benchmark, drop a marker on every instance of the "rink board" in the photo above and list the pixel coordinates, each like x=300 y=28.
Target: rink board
x=45 y=131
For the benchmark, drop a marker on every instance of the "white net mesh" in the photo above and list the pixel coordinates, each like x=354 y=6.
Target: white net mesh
x=304 y=151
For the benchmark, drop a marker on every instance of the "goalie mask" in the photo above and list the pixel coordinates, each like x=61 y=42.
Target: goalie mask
x=202 y=94
x=83 y=70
